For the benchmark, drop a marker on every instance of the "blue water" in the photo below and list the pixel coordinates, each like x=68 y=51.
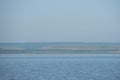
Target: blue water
x=60 y=68
x=93 y=65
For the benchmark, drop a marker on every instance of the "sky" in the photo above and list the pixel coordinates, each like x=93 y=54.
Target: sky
x=59 y=21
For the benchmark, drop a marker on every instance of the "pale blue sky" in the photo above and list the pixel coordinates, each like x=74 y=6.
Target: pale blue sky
x=59 y=20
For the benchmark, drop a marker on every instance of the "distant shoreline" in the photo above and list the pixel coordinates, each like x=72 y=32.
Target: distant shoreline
x=60 y=55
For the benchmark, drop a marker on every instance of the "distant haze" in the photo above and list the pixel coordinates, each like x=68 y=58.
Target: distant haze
x=59 y=20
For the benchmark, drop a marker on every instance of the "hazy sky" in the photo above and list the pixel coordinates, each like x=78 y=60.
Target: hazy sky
x=59 y=20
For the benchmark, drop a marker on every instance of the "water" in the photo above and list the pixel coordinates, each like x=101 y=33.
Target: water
x=60 y=64
x=60 y=69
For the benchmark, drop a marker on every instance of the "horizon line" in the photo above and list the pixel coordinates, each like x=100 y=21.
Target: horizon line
x=62 y=42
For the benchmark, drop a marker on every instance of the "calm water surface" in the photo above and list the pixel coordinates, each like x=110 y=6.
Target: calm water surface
x=93 y=65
